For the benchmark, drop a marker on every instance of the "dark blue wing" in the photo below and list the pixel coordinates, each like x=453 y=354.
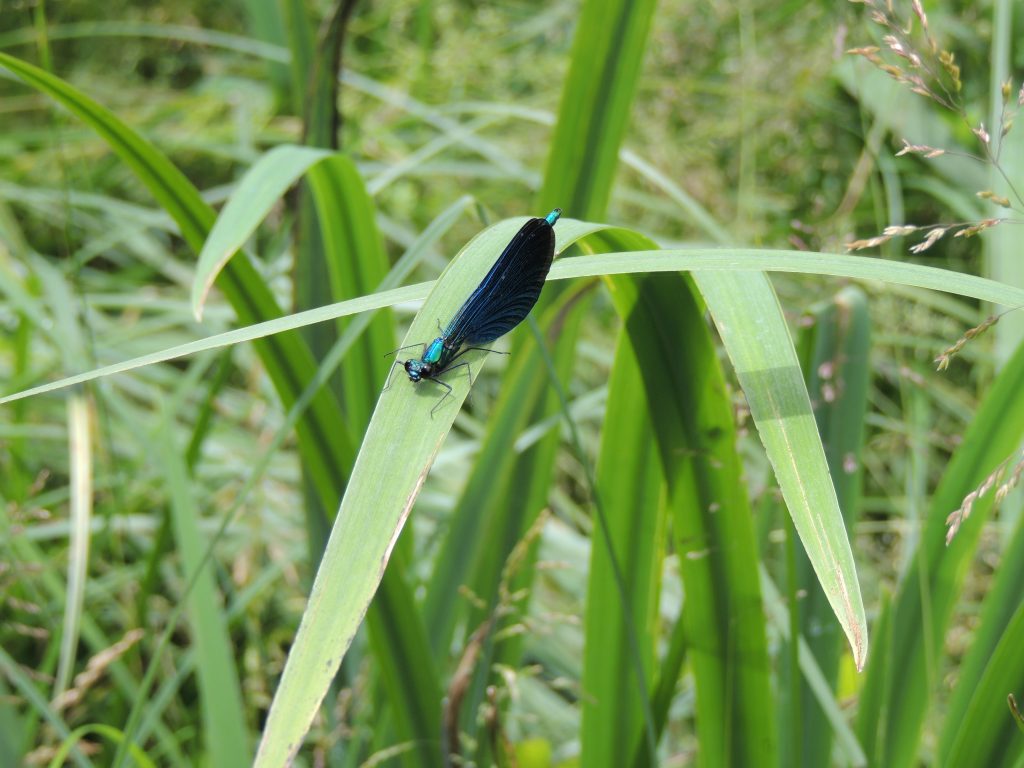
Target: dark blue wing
x=511 y=288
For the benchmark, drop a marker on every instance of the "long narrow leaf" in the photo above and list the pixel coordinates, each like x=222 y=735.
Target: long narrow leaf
x=80 y=452
x=713 y=528
x=400 y=444
x=608 y=53
x=622 y=596
x=898 y=691
x=220 y=691
x=669 y=260
x=833 y=343
x=475 y=548
x=357 y=263
x=976 y=727
x=257 y=192
x=749 y=320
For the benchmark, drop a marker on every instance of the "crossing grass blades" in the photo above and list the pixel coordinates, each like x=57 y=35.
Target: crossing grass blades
x=501 y=302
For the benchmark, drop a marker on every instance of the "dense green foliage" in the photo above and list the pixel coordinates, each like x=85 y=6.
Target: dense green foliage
x=636 y=541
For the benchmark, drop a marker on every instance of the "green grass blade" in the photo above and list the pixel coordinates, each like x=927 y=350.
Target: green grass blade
x=620 y=623
x=833 y=344
x=529 y=476
x=607 y=55
x=1000 y=246
x=348 y=259
x=712 y=525
x=410 y=676
x=804 y=262
x=977 y=728
x=476 y=547
x=898 y=691
x=266 y=23
x=356 y=264
x=663 y=693
x=635 y=262
x=316 y=61
x=386 y=297
x=113 y=735
x=753 y=330
x=301 y=50
x=262 y=330
x=254 y=196
x=989 y=735
x=399 y=446
x=819 y=686
x=80 y=461
x=220 y=693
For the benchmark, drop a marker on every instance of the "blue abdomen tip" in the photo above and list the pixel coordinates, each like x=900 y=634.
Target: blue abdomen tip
x=552 y=217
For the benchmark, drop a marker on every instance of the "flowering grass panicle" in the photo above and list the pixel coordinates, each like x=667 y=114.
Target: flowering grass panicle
x=911 y=55
x=1003 y=478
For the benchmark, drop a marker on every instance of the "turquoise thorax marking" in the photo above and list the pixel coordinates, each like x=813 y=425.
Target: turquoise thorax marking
x=433 y=352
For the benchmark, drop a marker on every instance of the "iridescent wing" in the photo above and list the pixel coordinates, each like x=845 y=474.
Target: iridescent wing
x=510 y=289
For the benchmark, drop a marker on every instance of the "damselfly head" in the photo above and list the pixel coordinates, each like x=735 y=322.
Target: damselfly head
x=416 y=369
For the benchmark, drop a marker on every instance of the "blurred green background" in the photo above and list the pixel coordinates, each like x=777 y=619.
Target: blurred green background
x=691 y=124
